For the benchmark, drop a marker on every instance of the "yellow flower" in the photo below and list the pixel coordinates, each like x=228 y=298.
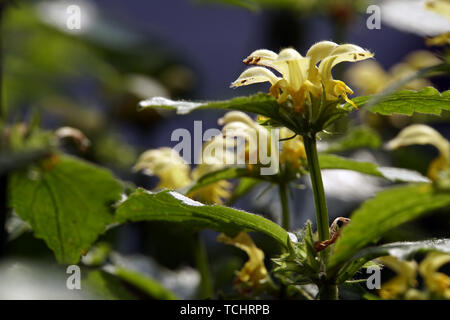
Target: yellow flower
x=441 y=7
x=436 y=282
x=215 y=192
x=254 y=271
x=239 y=124
x=402 y=282
x=439 y=40
x=302 y=76
x=369 y=77
x=293 y=150
x=165 y=163
x=175 y=173
x=422 y=134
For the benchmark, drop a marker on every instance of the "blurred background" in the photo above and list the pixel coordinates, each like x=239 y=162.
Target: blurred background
x=93 y=78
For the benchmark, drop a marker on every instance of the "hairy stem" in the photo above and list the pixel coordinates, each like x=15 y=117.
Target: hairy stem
x=328 y=291
x=317 y=186
x=201 y=260
x=3 y=176
x=284 y=198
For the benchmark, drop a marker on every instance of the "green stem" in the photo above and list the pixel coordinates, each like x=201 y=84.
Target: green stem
x=3 y=176
x=328 y=291
x=317 y=186
x=284 y=198
x=201 y=260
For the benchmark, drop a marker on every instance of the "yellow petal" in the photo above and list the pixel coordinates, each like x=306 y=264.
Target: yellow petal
x=436 y=166
x=216 y=154
x=214 y=157
x=341 y=89
x=440 y=40
x=421 y=134
x=436 y=281
x=296 y=67
x=254 y=269
x=236 y=116
x=320 y=50
x=289 y=54
x=293 y=150
x=403 y=70
x=263 y=57
x=260 y=57
x=441 y=7
x=213 y=193
x=405 y=279
x=342 y=53
x=167 y=165
x=368 y=77
x=255 y=75
x=422 y=59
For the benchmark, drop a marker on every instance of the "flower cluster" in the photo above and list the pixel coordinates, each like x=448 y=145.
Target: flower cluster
x=441 y=7
x=174 y=173
x=404 y=284
x=290 y=152
x=302 y=77
x=422 y=134
x=254 y=271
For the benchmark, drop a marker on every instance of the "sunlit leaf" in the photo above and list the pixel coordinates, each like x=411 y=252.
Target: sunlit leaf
x=171 y=206
x=407 y=102
x=259 y=103
x=387 y=210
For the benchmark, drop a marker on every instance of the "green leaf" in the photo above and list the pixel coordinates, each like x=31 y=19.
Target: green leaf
x=330 y=161
x=406 y=102
x=146 y=284
x=67 y=203
x=358 y=137
x=400 y=250
x=311 y=254
x=443 y=68
x=387 y=210
x=171 y=206
x=260 y=103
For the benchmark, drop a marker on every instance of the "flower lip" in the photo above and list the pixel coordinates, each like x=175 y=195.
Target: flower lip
x=258 y=57
x=255 y=75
